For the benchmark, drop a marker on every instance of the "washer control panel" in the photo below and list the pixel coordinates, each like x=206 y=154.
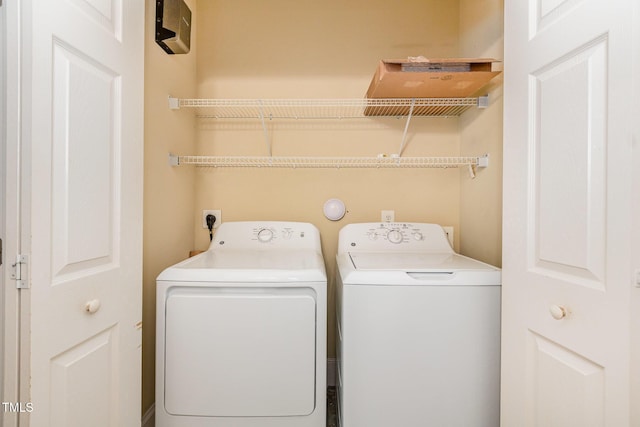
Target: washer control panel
x=395 y=233
x=406 y=237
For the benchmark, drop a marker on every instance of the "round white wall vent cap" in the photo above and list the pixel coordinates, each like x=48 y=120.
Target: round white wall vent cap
x=334 y=209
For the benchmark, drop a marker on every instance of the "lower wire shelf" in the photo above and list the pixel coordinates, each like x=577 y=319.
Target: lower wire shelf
x=382 y=161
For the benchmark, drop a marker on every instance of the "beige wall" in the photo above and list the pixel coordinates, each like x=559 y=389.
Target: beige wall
x=168 y=191
x=481 y=35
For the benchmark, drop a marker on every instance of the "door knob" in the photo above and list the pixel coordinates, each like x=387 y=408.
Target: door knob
x=558 y=312
x=92 y=306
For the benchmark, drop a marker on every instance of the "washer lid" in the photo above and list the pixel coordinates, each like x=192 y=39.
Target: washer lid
x=234 y=265
x=415 y=262
x=415 y=269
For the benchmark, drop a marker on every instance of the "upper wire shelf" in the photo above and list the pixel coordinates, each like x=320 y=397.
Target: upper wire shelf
x=328 y=108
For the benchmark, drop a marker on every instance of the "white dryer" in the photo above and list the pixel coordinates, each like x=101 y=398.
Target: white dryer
x=241 y=331
x=418 y=340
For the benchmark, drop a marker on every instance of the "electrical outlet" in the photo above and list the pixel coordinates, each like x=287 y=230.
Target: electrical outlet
x=388 y=216
x=215 y=212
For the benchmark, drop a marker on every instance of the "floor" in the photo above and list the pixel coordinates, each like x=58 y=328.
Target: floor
x=332 y=408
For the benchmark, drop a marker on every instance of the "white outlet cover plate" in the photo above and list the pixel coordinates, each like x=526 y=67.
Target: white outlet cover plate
x=388 y=216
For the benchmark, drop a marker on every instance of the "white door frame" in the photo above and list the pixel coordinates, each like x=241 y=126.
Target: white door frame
x=10 y=325
x=635 y=302
x=3 y=125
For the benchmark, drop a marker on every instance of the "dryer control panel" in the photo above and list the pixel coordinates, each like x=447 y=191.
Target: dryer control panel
x=266 y=235
x=401 y=237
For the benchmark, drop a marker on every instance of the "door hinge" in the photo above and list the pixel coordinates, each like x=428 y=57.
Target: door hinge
x=19 y=271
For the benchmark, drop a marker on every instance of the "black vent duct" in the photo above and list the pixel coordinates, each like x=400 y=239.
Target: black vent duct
x=173 y=26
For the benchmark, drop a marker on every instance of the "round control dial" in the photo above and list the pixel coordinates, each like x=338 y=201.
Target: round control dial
x=395 y=236
x=265 y=235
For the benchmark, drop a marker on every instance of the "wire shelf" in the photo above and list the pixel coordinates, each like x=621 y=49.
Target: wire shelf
x=327 y=108
x=329 y=162
x=267 y=109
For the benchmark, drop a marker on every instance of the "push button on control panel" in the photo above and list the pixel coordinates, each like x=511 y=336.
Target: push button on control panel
x=287 y=233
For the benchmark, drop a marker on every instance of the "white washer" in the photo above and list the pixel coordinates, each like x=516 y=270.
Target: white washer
x=418 y=330
x=241 y=331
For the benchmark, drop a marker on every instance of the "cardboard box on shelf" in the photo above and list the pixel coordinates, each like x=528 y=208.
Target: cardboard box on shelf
x=431 y=78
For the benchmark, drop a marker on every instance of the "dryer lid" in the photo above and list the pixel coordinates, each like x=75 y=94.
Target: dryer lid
x=254 y=266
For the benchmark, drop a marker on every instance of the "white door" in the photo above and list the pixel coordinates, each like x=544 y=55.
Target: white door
x=82 y=179
x=567 y=262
